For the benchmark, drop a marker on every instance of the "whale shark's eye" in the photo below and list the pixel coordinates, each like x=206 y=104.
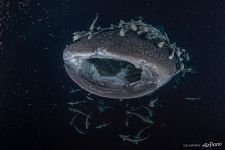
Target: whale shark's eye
x=122 y=62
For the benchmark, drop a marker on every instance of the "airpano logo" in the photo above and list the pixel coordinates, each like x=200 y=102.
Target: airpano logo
x=211 y=144
x=204 y=145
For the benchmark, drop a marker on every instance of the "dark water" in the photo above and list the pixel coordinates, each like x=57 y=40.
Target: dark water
x=34 y=87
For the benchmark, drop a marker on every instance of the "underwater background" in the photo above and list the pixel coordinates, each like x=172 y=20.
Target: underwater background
x=35 y=88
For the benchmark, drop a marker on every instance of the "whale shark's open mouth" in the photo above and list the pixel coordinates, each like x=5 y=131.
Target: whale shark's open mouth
x=110 y=73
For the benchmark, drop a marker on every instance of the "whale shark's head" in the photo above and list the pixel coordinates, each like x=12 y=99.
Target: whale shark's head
x=126 y=61
x=112 y=66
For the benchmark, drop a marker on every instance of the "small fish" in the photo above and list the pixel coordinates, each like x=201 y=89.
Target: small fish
x=122 y=32
x=93 y=23
x=121 y=23
x=181 y=66
x=150 y=113
x=132 y=140
x=89 y=94
x=126 y=121
x=166 y=37
x=111 y=27
x=134 y=109
x=192 y=98
x=77 y=111
x=91 y=32
x=189 y=70
x=153 y=102
x=163 y=125
x=102 y=106
x=87 y=123
x=76 y=37
x=146 y=29
x=74 y=91
x=121 y=100
x=90 y=35
x=144 y=119
x=75 y=127
x=173 y=47
x=103 y=125
x=160 y=44
x=133 y=83
x=89 y=98
x=172 y=55
x=141 y=131
x=178 y=52
x=98 y=28
x=133 y=27
x=187 y=57
x=76 y=102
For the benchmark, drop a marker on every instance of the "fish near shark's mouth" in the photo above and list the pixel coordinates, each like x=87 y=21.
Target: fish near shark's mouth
x=126 y=61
